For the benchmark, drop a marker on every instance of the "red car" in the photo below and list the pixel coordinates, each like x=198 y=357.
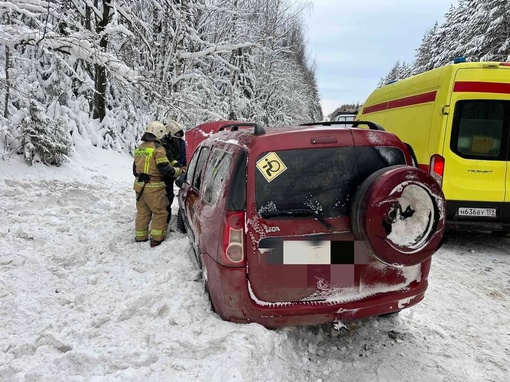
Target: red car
x=309 y=224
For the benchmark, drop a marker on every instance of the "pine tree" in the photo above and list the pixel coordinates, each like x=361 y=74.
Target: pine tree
x=424 y=54
x=44 y=140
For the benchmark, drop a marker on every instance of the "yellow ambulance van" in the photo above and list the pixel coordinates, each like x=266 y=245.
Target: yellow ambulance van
x=457 y=120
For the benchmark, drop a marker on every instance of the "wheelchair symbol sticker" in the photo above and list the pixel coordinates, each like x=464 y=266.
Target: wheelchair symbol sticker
x=271 y=166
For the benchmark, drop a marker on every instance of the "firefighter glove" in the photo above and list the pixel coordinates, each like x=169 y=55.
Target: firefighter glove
x=178 y=171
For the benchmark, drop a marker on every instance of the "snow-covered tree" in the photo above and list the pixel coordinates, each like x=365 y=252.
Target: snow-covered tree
x=398 y=72
x=478 y=30
x=490 y=23
x=103 y=69
x=424 y=57
x=43 y=139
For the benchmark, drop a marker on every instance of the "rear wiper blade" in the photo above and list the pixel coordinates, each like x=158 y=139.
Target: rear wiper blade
x=298 y=212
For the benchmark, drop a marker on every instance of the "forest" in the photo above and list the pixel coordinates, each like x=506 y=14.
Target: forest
x=478 y=30
x=100 y=70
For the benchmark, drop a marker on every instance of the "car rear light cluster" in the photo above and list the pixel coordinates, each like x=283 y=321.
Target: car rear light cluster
x=233 y=253
x=436 y=168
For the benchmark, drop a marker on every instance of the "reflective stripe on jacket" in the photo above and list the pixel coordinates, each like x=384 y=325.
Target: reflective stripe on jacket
x=147 y=157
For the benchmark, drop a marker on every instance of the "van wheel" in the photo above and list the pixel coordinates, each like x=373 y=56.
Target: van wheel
x=180 y=222
x=399 y=213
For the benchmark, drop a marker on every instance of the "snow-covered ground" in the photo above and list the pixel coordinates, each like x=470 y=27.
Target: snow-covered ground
x=80 y=301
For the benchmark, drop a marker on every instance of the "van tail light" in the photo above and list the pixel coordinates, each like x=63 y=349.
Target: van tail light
x=436 y=168
x=233 y=252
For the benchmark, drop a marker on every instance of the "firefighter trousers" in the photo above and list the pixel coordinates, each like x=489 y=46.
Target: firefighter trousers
x=151 y=209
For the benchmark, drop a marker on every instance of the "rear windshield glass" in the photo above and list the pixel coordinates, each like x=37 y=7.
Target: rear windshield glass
x=323 y=180
x=480 y=129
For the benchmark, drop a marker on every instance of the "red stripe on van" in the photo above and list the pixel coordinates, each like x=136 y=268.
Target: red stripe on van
x=374 y=108
x=482 y=87
x=401 y=102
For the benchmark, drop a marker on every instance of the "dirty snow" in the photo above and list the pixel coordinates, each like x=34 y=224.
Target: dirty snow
x=80 y=301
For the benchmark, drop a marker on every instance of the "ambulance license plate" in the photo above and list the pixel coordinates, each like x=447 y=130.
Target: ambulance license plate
x=483 y=212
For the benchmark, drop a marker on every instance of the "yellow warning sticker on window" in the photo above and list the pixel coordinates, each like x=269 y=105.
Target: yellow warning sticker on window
x=271 y=166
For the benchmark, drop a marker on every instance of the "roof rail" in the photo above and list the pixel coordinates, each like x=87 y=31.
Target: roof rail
x=258 y=129
x=371 y=125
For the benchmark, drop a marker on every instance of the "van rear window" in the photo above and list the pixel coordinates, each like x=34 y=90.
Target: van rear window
x=323 y=180
x=480 y=129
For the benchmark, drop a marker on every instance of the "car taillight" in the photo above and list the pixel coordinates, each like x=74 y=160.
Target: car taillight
x=436 y=168
x=233 y=240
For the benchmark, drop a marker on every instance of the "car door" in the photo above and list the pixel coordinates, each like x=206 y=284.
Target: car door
x=289 y=179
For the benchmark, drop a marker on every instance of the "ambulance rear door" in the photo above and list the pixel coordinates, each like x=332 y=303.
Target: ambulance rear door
x=476 y=143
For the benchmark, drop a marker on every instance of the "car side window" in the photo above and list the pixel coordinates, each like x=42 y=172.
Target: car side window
x=199 y=170
x=191 y=167
x=216 y=173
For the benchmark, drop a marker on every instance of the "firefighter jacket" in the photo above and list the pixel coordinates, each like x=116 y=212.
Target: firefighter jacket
x=150 y=166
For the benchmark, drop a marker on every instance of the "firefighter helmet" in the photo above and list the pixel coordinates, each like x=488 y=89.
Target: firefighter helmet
x=174 y=130
x=156 y=128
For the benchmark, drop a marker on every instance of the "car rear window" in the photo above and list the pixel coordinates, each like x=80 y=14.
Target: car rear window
x=480 y=129
x=323 y=179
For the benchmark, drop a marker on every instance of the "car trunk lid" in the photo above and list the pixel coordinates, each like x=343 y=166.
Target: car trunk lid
x=300 y=247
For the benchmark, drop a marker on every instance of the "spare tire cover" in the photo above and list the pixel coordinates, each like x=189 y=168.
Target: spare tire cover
x=399 y=212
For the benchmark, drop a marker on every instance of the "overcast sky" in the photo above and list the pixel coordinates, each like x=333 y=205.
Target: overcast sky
x=356 y=43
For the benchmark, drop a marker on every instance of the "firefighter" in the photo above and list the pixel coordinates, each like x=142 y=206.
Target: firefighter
x=175 y=147
x=149 y=167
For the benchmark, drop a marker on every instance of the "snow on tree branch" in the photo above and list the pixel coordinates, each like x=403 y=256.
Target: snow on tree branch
x=72 y=45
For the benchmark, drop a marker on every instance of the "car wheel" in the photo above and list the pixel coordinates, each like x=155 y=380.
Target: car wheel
x=399 y=213
x=180 y=222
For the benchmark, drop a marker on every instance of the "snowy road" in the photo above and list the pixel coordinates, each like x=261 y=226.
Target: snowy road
x=460 y=332
x=80 y=301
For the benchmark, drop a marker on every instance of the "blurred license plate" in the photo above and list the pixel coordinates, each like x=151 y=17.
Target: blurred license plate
x=487 y=212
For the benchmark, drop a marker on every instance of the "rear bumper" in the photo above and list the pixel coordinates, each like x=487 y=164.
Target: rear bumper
x=301 y=316
x=233 y=302
x=500 y=222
